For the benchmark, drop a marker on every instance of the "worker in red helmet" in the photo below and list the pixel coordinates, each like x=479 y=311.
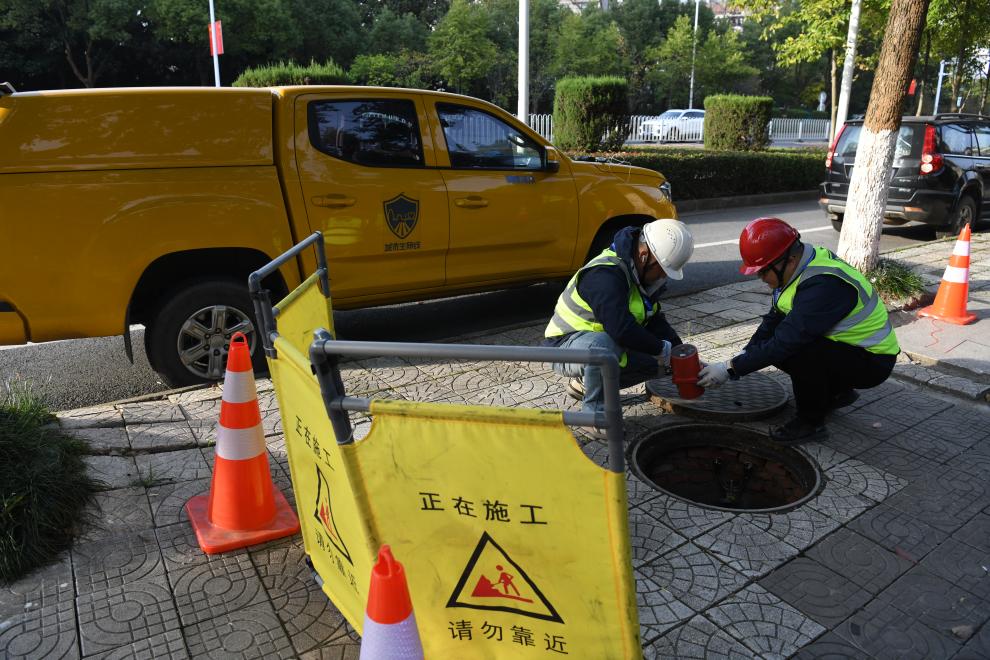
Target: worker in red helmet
x=827 y=328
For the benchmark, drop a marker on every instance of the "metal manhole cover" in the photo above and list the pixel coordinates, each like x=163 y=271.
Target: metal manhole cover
x=754 y=397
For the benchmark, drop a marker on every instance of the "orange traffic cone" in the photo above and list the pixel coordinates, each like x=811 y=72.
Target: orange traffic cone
x=243 y=506
x=950 y=302
x=389 y=625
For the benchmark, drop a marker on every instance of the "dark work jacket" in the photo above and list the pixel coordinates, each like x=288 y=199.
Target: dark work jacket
x=819 y=303
x=606 y=291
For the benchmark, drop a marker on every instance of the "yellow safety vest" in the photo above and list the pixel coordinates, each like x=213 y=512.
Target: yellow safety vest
x=573 y=314
x=867 y=325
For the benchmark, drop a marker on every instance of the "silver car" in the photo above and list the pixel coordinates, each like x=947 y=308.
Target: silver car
x=674 y=126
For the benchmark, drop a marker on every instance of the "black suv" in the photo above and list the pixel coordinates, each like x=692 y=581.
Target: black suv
x=940 y=174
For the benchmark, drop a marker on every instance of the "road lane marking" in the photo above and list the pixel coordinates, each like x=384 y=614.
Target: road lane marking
x=735 y=241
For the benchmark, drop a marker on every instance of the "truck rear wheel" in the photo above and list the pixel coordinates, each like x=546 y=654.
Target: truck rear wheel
x=188 y=338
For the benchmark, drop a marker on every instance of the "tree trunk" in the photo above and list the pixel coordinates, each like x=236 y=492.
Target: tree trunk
x=849 y=64
x=958 y=73
x=986 y=89
x=920 y=89
x=859 y=242
x=833 y=101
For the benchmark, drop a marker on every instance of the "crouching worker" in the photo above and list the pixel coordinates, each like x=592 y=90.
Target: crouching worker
x=827 y=328
x=612 y=303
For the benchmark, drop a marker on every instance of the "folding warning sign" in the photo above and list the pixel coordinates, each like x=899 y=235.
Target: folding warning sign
x=514 y=542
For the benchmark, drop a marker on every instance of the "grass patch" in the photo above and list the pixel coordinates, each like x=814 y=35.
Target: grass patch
x=895 y=281
x=44 y=488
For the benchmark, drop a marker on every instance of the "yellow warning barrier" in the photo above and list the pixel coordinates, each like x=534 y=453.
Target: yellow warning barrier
x=515 y=543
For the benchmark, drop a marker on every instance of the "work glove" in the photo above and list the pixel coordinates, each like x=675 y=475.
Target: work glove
x=663 y=360
x=713 y=375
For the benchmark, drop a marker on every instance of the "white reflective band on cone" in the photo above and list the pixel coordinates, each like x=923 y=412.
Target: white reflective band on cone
x=391 y=641
x=240 y=444
x=961 y=249
x=956 y=274
x=238 y=387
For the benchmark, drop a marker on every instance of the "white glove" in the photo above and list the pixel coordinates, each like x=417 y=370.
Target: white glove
x=664 y=358
x=713 y=375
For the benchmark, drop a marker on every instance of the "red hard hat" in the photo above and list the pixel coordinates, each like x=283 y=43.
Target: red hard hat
x=763 y=241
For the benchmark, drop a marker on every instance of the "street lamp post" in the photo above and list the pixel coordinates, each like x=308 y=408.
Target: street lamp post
x=213 y=37
x=694 y=52
x=522 y=105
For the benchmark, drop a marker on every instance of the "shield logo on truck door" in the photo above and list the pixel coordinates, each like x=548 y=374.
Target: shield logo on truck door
x=401 y=214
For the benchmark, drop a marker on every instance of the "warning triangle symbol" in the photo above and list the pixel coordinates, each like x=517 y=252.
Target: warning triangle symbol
x=323 y=512
x=491 y=580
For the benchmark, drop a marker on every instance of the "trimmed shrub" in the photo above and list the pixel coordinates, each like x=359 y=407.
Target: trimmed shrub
x=698 y=174
x=290 y=73
x=591 y=114
x=737 y=122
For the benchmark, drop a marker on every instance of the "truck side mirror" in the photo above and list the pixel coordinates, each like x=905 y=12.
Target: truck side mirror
x=552 y=166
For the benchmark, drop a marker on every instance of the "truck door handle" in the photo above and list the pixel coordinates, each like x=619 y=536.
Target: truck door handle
x=472 y=202
x=333 y=201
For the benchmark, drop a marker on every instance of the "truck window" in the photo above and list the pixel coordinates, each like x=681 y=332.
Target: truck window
x=909 y=142
x=476 y=139
x=956 y=140
x=374 y=132
x=983 y=139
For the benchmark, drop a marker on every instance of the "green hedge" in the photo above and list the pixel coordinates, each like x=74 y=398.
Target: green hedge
x=702 y=174
x=737 y=122
x=290 y=73
x=591 y=114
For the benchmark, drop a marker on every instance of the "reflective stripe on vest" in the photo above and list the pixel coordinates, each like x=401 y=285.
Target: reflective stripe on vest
x=867 y=325
x=573 y=314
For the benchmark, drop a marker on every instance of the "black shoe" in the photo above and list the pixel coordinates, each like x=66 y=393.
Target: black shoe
x=843 y=399
x=575 y=389
x=798 y=431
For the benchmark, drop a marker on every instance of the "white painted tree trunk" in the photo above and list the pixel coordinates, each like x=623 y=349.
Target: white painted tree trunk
x=859 y=242
x=848 y=65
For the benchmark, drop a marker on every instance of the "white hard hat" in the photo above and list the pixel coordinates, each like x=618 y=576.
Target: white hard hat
x=671 y=243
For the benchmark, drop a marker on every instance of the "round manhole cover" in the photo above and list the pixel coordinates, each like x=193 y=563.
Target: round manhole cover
x=754 y=397
x=724 y=467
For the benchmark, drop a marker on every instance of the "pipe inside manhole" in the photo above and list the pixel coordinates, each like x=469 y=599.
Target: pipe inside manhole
x=725 y=467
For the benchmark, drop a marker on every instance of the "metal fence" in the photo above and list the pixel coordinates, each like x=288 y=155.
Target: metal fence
x=650 y=128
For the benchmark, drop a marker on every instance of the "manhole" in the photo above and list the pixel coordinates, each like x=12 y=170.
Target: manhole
x=725 y=467
x=754 y=397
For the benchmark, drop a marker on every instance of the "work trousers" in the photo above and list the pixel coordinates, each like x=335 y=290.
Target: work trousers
x=824 y=369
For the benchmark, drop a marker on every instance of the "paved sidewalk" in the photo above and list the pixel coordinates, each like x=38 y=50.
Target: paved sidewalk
x=889 y=560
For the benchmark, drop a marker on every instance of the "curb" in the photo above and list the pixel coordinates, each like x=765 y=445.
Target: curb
x=716 y=203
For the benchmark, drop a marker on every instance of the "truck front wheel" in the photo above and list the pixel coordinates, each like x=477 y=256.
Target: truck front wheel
x=188 y=339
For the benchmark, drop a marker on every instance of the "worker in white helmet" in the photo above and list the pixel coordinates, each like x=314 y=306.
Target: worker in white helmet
x=612 y=303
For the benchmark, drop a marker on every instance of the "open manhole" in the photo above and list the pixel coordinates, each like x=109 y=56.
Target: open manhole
x=725 y=467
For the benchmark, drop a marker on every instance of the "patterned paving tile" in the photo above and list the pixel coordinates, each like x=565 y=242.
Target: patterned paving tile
x=97 y=416
x=746 y=548
x=252 y=632
x=798 y=528
x=46 y=632
x=151 y=412
x=202 y=410
x=838 y=503
x=870 y=424
x=686 y=519
x=164 y=646
x=976 y=533
x=43 y=587
x=908 y=408
x=112 y=471
x=763 y=622
x=865 y=480
x=978 y=646
x=824 y=455
x=830 y=647
x=117 y=561
x=937 y=603
x=857 y=558
x=204 y=432
x=851 y=441
x=962 y=565
x=341 y=649
x=168 y=501
x=103 y=440
x=898 y=532
x=945 y=499
x=658 y=607
x=161 y=437
x=961 y=425
x=698 y=639
x=180 y=548
x=637 y=491
x=424 y=390
x=650 y=539
x=181 y=465
x=119 y=511
x=122 y=615
x=307 y=614
x=933 y=447
x=205 y=590
x=901 y=462
x=695 y=577
x=886 y=633
x=975 y=461
x=816 y=591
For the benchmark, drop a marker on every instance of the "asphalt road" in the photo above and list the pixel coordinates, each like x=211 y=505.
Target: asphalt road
x=78 y=373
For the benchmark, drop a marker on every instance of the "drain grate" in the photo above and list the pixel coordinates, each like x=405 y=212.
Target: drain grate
x=724 y=467
x=754 y=397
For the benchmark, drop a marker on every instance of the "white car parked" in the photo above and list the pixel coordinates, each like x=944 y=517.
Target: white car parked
x=674 y=126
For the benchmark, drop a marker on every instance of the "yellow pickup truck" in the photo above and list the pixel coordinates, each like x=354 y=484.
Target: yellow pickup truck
x=152 y=205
